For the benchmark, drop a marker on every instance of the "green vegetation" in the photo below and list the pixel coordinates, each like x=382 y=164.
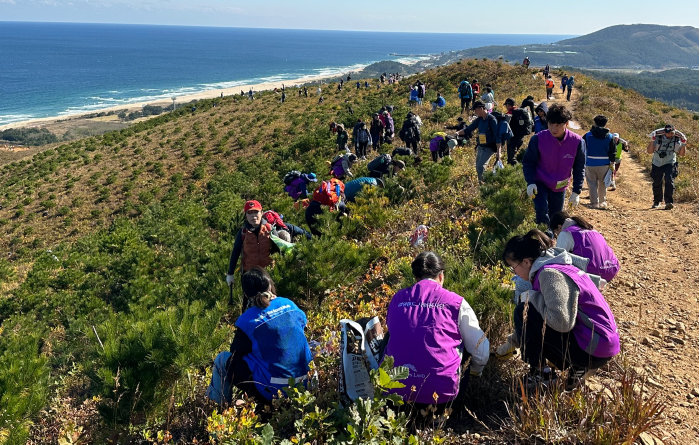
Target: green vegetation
x=114 y=305
x=677 y=87
x=28 y=136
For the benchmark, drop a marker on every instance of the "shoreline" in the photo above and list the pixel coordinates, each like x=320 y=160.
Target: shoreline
x=181 y=99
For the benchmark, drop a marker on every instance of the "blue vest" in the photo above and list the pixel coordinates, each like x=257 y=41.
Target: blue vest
x=597 y=150
x=280 y=350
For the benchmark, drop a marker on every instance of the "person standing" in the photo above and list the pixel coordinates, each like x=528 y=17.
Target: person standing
x=488 y=99
x=520 y=124
x=465 y=94
x=364 y=138
x=620 y=146
x=476 y=90
x=549 y=86
x=551 y=158
x=665 y=145
x=600 y=158
x=564 y=79
x=569 y=87
x=488 y=140
x=376 y=130
x=341 y=140
x=540 y=121
x=410 y=132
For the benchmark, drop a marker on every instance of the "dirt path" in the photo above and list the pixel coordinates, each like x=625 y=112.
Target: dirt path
x=655 y=295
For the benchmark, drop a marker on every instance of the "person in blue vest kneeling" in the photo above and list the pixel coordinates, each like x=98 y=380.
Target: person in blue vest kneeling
x=269 y=346
x=563 y=319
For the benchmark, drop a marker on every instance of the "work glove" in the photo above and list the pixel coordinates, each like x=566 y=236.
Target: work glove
x=229 y=279
x=574 y=200
x=475 y=373
x=532 y=190
x=507 y=349
x=525 y=296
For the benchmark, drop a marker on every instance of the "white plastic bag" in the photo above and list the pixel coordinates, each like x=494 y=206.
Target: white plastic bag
x=361 y=348
x=608 y=180
x=498 y=166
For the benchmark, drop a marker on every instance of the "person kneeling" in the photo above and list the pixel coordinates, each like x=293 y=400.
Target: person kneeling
x=429 y=328
x=564 y=319
x=269 y=346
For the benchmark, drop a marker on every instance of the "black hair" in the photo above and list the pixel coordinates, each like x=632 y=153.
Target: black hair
x=558 y=219
x=489 y=90
x=531 y=245
x=258 y=286
x=427 y=265
x=529 y=103
x=558 y=114
x=600 y=120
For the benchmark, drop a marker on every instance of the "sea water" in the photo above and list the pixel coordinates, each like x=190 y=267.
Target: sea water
x=54 y=69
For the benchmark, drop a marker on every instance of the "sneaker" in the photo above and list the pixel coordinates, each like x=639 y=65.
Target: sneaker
x=541 y=378
x=656 y=205
x=669 y=206
x=575 y=376
x=612 y=187
x=603 y=205
x=594 y=206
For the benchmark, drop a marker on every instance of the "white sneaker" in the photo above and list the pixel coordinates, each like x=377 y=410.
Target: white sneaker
x=603 y=205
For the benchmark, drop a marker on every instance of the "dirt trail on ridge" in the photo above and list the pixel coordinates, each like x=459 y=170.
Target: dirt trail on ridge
x=655 y=295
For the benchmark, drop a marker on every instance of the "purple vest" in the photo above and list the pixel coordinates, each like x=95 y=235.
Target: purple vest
x=338 y=169
x=423 y=321
x=435 y=143
x=294 y=188
x=591 y=244
x=556 y=159
x=595 y=330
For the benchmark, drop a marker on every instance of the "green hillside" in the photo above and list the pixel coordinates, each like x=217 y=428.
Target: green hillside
x=112 y=291
x=635 y=47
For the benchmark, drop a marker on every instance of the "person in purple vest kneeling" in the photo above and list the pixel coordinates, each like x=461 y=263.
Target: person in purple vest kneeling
x=564 y=318
x=429 y=328
x=576 y=235
x=552 y=156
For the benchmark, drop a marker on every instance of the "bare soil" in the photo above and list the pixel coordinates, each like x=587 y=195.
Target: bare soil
x=655 y=295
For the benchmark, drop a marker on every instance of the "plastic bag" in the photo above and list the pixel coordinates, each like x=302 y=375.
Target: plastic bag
x=498 y=166
x=361 y=349
x=418 y=236
x=608 y=180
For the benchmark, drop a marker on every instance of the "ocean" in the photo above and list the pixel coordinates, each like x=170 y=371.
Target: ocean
x=56 y=69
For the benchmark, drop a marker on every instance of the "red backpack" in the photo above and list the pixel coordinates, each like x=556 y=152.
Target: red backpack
x=328 y=193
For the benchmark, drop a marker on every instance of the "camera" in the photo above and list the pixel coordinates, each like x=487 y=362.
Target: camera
x=662 y=154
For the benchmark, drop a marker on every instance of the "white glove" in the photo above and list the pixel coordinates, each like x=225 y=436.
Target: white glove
x=229 y=279
x=525 y=296
x=574 y=199
x=532 y=190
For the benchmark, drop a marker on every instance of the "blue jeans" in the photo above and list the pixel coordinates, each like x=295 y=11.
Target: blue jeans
x=547 y=203
x=296 y=230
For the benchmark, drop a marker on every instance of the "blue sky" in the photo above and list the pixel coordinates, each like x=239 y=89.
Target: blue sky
x=507 y=16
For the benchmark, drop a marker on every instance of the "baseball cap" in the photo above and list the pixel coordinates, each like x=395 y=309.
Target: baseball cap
x=252 y=205
x=509 y=101
x=311 y=177
x=399 y=163
x=478 y=104
x=452 y=143
x=615 y=135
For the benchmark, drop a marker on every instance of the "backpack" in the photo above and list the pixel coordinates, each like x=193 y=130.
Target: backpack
x=503 y=125
x=328 y=193
x=291 y=176
x=465 y=90
x=520 y=122
x=274 y=218
x=379 y=161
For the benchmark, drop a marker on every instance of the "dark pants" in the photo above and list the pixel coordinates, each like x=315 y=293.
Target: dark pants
x=547 y=203
x=296 y=231
x=512 y=148
x=560 y=348
x=241 y=377
x=549 y=92
x=361 y=149
x=413 y=145
x=377 y=141
x=568 y=93
x=658 y=175
x=465 y=103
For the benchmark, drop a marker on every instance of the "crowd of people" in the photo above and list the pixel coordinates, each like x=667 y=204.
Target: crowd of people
x=561 y=319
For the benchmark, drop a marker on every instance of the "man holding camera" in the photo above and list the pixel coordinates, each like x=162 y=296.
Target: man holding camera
x=665 y=144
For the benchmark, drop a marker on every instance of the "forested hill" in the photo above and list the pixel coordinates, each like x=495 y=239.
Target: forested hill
x=620 y=46
x=113 y=301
